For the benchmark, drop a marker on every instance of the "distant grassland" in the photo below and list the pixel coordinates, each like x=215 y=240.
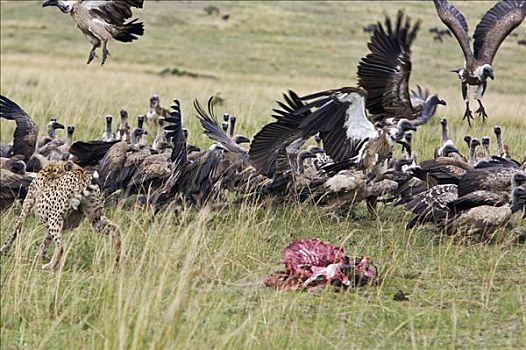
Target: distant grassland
x=191 y=281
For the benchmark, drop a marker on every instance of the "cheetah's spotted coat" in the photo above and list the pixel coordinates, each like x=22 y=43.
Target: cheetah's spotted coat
x=61 y=194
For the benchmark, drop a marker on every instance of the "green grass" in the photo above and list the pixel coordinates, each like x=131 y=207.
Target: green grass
x=194 y=280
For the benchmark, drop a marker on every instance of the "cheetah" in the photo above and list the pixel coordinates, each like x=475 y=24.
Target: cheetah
x=61 y=195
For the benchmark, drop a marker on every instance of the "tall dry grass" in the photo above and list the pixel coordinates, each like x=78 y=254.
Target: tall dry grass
x=193 y=280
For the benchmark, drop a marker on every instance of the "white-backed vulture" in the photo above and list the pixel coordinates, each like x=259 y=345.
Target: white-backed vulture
x=25 y=136
x=156 y=110
x=101 y=21
x=491 y=31
x=108 y=134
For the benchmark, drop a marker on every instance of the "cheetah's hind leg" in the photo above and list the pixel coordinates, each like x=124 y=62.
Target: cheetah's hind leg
x=55 y=231
x=27 y=207
x=93 y=209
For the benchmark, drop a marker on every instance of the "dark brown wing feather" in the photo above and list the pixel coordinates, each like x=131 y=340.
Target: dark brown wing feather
x=26 y=132
x=385 y=71
x=113 y=11
x=268 y=148
x=495 y=26
x=456 y=22
x=214 y=131
x=478 y=198
x=91 y=152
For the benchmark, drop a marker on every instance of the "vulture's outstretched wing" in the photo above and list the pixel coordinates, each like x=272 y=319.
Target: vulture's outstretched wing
x=268 y=149
x=340 y=118
x=112 y=11
x=456 y=22
x=384 y=72
x=26 y=132
x=214 y=131
x=495 y=26
x=91 y=152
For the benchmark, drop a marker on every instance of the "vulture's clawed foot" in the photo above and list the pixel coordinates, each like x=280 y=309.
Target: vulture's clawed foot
x=468 y=115
x=91 y=56
x=482 y=113
x=105 y=54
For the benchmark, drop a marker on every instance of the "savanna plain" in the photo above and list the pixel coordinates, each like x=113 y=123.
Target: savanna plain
x=194 y=279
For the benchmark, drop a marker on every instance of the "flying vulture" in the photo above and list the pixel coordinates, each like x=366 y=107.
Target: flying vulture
x=384 y=73
x=491 y=31
x=102 y=20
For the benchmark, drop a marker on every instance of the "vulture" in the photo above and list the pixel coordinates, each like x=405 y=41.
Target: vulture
x=479 y=214
x=115 y=170
x=108 y=134
x=190 y=180
x=52 y=128
x=491 y=31
x=156 y=110
x=432 y=205
x=503 y=149
x=123 y=131
x=384 y=73
x=25 y=136
x=14 y=183
x=475 y=213
x=213 y=131
x=102 y=20
x=350 y=136
x=447 y=144
x=486 y=153
x=277 y=142
x=496 y=179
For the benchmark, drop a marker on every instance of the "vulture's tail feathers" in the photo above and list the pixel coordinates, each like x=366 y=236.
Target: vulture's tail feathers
x=130 y=31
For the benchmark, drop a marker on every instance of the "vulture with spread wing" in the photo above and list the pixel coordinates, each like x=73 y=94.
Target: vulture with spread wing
x=491 y=31
x=25 y=136
x=339 y=115
x=384 y=73
x=102 y=20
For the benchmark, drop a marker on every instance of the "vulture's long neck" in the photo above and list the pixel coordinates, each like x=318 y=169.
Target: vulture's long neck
x=51 y=132
x=486 y=151
x=472 y=154
x=69 y=139
x=108 y=129
x=232 y=126
x=445 y=133
x=500 y=143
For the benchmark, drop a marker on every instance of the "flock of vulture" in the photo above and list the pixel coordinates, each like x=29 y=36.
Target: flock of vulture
x=334 y=148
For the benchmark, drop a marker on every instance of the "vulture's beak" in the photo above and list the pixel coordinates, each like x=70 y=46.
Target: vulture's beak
x=58 y=126
x=47 y=3
x=442 y=102
x=492 y=76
